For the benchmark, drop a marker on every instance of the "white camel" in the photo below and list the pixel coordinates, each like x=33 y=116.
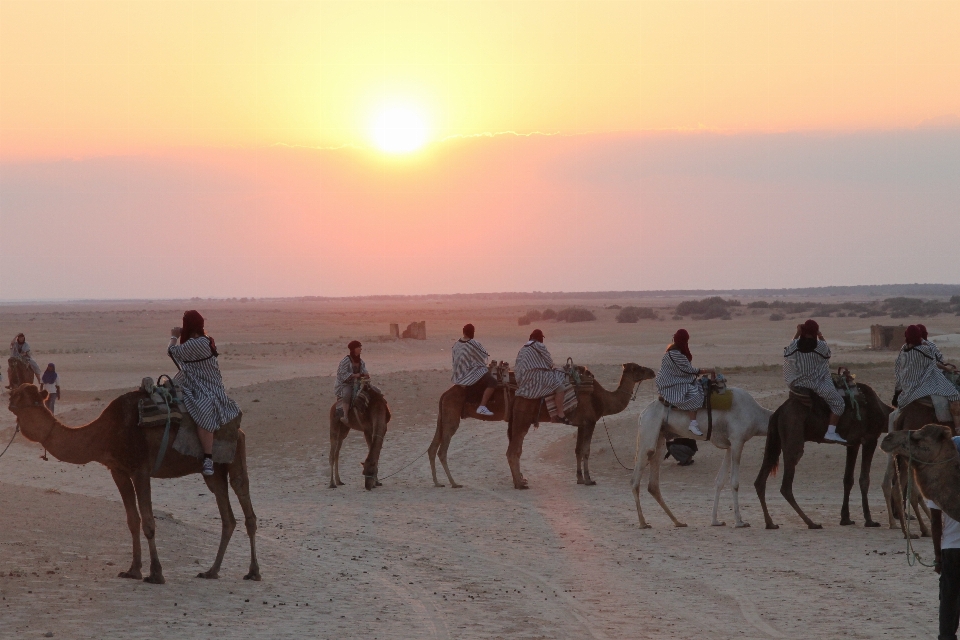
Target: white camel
x=731 y=430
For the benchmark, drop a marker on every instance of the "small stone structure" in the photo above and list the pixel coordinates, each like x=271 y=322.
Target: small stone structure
x=883 y=337
x=394 y=331
x=415 y=331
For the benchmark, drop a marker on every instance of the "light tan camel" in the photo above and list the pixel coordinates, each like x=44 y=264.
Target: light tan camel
x=591 y=408
x=116 y=441
x=933 y=459
x=373 y=424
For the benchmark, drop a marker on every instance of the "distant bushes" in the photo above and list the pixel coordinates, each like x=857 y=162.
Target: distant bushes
x=549 y=314
x=634 y=314
x=706 y=309
x=777 y=316
x=571 y=314
x=759 y=304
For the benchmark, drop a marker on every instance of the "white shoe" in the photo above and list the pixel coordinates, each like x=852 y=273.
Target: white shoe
x=833 y=436
x=208 y=466
x=695 y=428
x=483 y=411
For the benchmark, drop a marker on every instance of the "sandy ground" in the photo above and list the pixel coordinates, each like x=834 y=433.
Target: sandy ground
x=412 y=561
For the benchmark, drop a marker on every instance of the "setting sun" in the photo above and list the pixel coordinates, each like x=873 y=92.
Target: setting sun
x=399 y=129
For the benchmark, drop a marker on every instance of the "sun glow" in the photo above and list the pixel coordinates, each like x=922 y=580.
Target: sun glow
x=399 y=129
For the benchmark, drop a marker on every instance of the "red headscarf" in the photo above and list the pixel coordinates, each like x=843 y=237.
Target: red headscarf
x=469 y=330
x=913 y=335
x=681 y=343
x=809 y=329
x=923 y=331
x=537 y=335
x=192 y=323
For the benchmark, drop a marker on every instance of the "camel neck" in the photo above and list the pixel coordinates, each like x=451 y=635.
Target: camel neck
x=617 y=400
x=67 y=444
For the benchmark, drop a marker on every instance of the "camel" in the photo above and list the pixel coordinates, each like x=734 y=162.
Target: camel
x=19 y=372
x=932 y=456
x=731 y=430
x=129 y=451
x=795 y=422
x=454 y=403
x=373 y=424
x=591 y=408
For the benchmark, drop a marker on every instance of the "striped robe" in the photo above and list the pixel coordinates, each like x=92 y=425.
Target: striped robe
x=201 y=384
x=812 y=371
x=677 y=382
x=344 y=371
x=935 y=349
x=469 y=362
x=536 y=377
x=917 y=376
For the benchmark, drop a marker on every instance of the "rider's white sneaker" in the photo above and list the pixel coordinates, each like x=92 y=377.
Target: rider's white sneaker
x=695 y=428
x=208 y=466
x=833 y=436
x=483 y=411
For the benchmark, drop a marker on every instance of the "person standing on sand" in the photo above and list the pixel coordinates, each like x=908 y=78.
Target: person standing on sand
x=195 y=354
x=470 y=367
x=20 y=348
x=946 y=554
x=806 y=365
x=536 y=375
x=349 y=372
x=50 y=382
x=677 y=379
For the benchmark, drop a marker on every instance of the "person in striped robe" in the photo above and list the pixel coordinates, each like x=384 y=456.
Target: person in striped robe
x=350 y=370
x=926 y=340
x=200 y=382
x=20 y=348
x=470 y=367
x=919 y=374
x=677 y=379
x=806 y=365
x=536 y=375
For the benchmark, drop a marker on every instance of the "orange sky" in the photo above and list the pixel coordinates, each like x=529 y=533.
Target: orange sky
x=80 y=79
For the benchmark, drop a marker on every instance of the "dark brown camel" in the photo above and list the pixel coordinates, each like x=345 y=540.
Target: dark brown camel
x=129 y=452
x=455 y=403
x=373 y=424
x=590 y=409
x=935 y=467
x=18 y=372
x=795 y=423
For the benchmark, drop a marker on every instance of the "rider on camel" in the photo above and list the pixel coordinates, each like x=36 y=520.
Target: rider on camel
x=677 y=379
x=349 y=371
x=470 y=367
x=919 y=373
x=806 y=365
x=536 y=375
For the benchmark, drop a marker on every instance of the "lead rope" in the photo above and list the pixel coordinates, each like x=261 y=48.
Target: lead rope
x=636 y=390
x=15 y=432
x=853 y=399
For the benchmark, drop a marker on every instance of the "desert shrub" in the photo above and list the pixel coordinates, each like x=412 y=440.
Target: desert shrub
x=954 y=299
x=530 y=316
x=575 y=314
x=633 y=314
x=759 y=304
x=706 y=309
x=777 y=316
x=613 y=306
x=523 y=320
x=549 y=314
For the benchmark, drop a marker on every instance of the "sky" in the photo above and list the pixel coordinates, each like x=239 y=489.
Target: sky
x=543 y=145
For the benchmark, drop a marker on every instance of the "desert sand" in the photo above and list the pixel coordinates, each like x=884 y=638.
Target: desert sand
x=408 y=560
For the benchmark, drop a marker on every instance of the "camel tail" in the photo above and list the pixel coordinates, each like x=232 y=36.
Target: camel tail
x=438 y=436
x=771 y=450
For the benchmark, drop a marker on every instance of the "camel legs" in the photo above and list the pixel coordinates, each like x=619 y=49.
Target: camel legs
x=141 y=484
x=848 y=469
x=771 y=456
x=791 y=458
x=654 y=484
x=584 y=438
x=240 y=482
x=338 y=432
x=439 y=446
x=129 y=497
x=516 y=434
x=718 y=485
x=217 y=484
x=866 y=462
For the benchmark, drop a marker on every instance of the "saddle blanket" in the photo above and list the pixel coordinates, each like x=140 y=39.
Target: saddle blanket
x=224 y=440
x=941 y=407
x=721 y=401
x=570 y=401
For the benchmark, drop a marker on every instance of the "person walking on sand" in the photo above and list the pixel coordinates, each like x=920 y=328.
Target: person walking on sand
x=50 y=382
x=349 y=372
x=470 y=367
x=806 y=365
x=536 y=375
x=195 y=354
x=946 y=556
x=677 y=379
x=20 y=348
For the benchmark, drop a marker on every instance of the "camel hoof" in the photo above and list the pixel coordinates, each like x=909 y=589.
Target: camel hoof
x=378 y=484
x=773 y=526
x=332 y=486
x=871 y=523
x=645 y=526
x=207 y=575
x=681 y=524
x=152 y=579
x=815 y=526
x=252 y=576
x=438 y=485
x=579 y=479
x=590 y=483
x=133 y=575
x=742 y=525
x=521 y=487
x=456 y=486
x=847 y=522
x=912 y=536
x=718 y=524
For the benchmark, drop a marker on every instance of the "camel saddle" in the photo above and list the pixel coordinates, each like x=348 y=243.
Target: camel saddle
x=940 y=406
x=716 y=395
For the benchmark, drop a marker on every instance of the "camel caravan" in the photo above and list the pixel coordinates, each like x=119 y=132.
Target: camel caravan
x=186 y=425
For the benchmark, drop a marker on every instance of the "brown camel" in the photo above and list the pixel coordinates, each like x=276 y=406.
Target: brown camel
x=591 y=408
x=934 y=461
x=796 y=422
x=18 y=372
x=129 y=451
x=455 y=403
x=373 y=424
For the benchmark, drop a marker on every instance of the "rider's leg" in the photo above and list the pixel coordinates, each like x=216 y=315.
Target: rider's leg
x=487 y=394
x=345 y=400
x=558 y=400
x=206 y=440
x=694 y=425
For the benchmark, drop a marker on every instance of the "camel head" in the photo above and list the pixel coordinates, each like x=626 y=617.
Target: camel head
x=929 y=444
x=27 y=401
x=637 y=373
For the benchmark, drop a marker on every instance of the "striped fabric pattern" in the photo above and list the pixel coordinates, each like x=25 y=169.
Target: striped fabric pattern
x=917 y=376
x=935 y=349
x=812 y=371
x=536 y=376
x=677 y=382
x=344 y=371
x=469 y=362
x=201 y=384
